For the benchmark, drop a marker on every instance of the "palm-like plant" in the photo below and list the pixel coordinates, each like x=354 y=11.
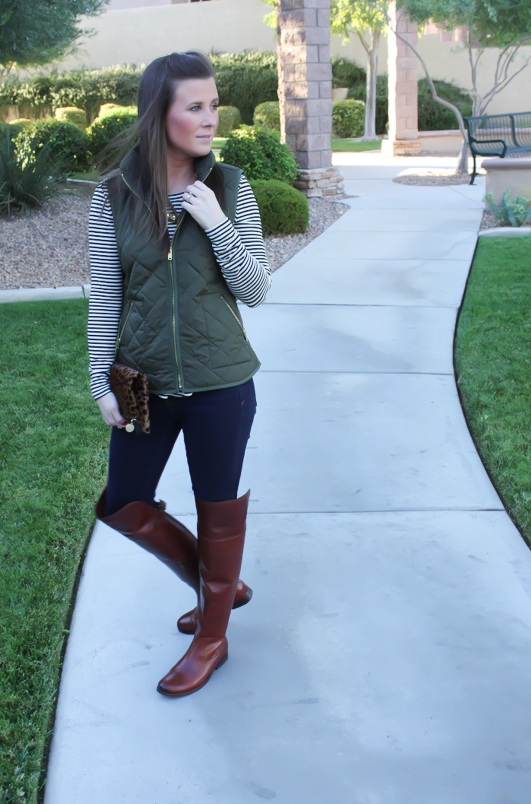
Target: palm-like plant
x=25 y=187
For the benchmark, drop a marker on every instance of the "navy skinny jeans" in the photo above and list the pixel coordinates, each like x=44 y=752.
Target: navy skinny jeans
x=216 y=426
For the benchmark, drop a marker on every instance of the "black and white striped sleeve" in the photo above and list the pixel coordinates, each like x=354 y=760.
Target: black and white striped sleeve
x=106 y=292
x=240 y=250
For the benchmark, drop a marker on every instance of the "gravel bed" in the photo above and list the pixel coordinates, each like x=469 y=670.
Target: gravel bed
x=489 y=221
x=49 y=248
x=435 y=177
x=323 y=213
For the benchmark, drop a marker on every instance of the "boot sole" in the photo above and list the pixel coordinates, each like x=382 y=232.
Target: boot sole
x=196 y=689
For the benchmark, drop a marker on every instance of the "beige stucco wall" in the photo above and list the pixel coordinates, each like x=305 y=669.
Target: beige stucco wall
x=138 y=35
x=448 y=61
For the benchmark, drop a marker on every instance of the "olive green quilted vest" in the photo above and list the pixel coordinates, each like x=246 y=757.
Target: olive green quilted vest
x=180 y=323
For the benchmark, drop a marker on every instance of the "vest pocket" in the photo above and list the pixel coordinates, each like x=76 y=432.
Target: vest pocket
x=240 y=322
x=121 y=332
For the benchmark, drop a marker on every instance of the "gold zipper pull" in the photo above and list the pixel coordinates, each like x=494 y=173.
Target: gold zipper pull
x=170 y=256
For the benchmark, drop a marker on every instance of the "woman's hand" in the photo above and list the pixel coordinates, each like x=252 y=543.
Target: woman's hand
x=110 y=411
x=202 y=204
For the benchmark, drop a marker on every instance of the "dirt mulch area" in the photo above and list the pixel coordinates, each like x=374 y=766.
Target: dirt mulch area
x=435 y=177
x=323 y=213
x=49 y=248
x=489 y=221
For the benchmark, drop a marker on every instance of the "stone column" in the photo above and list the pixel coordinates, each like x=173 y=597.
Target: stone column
x=403 y=87
x=305 y=92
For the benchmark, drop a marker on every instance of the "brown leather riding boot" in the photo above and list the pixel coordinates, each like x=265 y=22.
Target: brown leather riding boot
x=157 y=532
x=221 y=536
x=170 y=541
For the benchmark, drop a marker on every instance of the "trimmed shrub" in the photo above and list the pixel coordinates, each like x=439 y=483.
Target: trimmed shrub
x=259 y=154
x=229 y=119
x=246 y=79
x=348 y=118
x=65 y=144
x=105 y=128
x=267 y=115
x=283 y=209
x=107 y=108
x=73 y=115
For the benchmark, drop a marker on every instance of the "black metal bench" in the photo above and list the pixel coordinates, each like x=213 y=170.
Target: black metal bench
x=498 y=135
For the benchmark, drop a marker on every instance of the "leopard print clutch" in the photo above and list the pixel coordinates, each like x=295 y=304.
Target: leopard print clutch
x=130 y=388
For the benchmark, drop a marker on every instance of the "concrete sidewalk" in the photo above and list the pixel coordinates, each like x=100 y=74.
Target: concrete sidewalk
x=385 y=657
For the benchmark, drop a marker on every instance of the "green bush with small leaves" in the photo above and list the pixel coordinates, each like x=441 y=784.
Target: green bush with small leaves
x=65 y=144
x=267 y=115
x=229 y=119
x=348 y=118
x=259 y=154
x=111 y=124
x=72 y=115
x=283 y=209
x=514 y=210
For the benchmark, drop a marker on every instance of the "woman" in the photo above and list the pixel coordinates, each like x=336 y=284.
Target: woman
x=175 y=238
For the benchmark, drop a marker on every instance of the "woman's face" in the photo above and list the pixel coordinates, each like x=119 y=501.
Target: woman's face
x=192 y=117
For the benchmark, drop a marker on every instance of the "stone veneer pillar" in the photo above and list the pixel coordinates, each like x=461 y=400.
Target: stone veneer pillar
x=403 y=87
x=305 y=92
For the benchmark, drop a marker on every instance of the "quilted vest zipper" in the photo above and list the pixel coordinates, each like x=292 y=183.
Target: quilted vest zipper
x=240 y=322
x=175 y=307
x=174 y=310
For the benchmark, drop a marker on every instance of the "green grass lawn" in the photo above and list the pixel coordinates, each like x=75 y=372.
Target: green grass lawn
x=356 y=146
x=493 y=366
x=53 y=465
x=337 y=145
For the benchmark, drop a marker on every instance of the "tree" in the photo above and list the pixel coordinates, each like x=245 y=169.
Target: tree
x=368 y=20
x=36 y=32
x=504 y=24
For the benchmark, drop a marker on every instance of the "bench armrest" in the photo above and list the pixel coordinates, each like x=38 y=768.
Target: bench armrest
x=472 y=140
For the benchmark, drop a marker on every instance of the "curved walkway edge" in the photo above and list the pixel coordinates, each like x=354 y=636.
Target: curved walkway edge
x=385 y=657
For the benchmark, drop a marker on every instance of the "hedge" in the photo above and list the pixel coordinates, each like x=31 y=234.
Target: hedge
x=246 y=79
x=259 y=154
x=84 y=89
x=283 y=209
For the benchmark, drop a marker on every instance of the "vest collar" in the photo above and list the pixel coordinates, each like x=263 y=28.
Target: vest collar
x=130 y=168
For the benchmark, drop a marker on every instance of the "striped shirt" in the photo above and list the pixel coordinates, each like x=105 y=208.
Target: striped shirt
x=239 y=250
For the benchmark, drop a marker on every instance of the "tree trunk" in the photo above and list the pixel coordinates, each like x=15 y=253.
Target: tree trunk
x=372 y=71
x=462 y=162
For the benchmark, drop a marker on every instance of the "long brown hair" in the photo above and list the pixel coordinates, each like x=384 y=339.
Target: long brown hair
x=155 y=94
